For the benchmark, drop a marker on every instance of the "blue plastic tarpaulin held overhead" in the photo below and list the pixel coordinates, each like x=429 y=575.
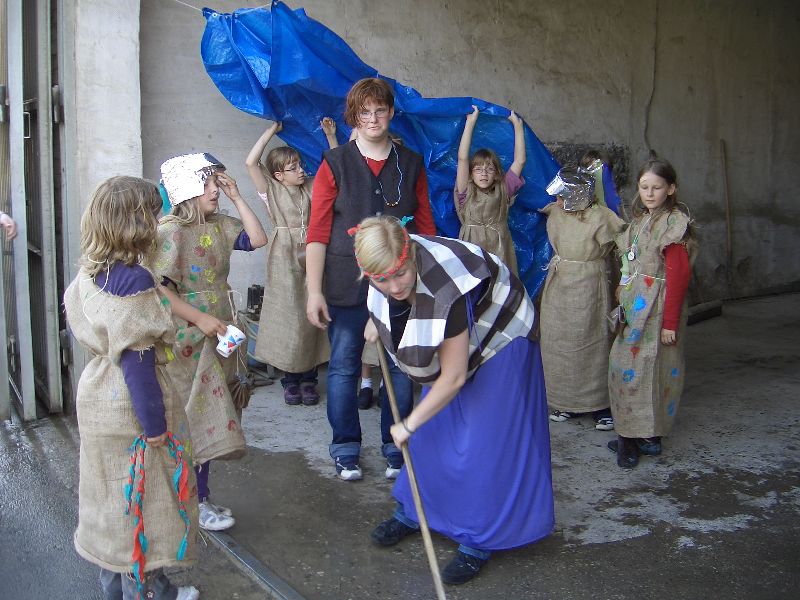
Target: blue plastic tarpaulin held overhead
x=281 y=65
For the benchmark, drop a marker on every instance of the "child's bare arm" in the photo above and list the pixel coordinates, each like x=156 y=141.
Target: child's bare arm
x=209 y=325
x=253 y=160
x=462 y=170
x=519 y=144
x=329 y=129
x=250 y=223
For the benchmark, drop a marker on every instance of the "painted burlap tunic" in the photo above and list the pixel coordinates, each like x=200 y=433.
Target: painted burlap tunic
x=645 y=376
x=484 y=221
x=106 y=325
x=286 y=339
x=196 y=258
x=575 y=338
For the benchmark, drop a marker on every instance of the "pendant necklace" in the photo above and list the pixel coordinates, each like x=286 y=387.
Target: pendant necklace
x=634 y=245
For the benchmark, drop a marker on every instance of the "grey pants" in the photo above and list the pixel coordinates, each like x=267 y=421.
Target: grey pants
x=121 y=586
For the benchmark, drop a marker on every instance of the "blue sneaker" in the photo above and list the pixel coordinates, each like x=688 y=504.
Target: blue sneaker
x=347 y=468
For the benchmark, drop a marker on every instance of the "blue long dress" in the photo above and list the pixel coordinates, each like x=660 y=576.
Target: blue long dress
x=483 y=462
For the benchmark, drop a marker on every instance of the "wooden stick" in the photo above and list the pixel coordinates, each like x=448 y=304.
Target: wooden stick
x=412 y=478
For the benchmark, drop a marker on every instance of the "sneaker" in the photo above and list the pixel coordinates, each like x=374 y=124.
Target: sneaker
x=557 y=416
x=390 y=532
x=187 y=593
x=347 y=468
x=309 y=393
x=211 y=520
x=462 y=568
x=604 y=423
x=394 y=464
x=292 y=395
x=365 y=398
x=649 y=446
x=220 y=510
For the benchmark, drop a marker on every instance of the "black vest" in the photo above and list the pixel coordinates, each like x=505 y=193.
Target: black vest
x=359 y=195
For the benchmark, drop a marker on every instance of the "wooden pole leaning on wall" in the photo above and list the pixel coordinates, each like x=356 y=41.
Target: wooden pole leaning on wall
x=412 y=478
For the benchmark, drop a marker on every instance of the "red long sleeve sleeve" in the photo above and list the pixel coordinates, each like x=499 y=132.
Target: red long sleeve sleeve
x=323 y=195
x=676 y=260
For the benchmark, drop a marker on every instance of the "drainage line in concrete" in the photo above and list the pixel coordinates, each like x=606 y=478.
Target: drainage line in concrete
x=279 y=589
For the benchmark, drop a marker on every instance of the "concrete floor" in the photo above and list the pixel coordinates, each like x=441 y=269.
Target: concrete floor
x=716 y=516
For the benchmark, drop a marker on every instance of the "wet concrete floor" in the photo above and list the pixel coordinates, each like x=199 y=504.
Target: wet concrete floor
x=716 y=516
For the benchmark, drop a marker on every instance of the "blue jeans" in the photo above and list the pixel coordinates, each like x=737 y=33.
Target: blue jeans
x=400 y=515
x=346 y=335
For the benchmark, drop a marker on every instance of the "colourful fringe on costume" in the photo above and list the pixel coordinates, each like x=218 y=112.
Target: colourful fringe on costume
x=136 y=475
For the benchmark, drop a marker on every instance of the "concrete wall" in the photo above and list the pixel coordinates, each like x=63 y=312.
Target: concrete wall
x=107 y=96
x=674 y=76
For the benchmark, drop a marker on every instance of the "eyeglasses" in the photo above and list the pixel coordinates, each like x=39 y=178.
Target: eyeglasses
x=378 y=113
x=295 y=168
x=485 y=170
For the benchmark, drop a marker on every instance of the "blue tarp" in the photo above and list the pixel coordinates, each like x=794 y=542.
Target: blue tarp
x=281 y=65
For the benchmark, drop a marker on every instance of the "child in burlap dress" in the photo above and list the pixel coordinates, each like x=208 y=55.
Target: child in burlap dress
x=115 y=310
x=192 y=260
x=484 y=194
x=646 y=370
x=286 y=340
x=576 y=300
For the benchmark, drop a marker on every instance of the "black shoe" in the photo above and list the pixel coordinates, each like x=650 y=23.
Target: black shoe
x=629 y=456
x=390 y=532
x=462 y=568
x=365 y=398
x=649 y=446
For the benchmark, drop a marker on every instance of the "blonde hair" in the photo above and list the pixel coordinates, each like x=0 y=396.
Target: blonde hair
x=188 y=213
x=378 y=244
x=119 y=224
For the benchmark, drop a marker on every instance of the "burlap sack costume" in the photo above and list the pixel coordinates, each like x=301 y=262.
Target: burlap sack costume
x=106 y=325
x=286 y=339
x=645 y=376
x=575 y=336
x=484 y=221
x=197 y=259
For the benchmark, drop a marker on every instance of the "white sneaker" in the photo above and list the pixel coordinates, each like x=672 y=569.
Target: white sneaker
x=220 y=510
x=392 y=472
x=604 y=424
x=347 y=469
x=187 y=593
x=211 y=520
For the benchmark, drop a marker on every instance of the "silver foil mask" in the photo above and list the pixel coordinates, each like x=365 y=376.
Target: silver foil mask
x=184 y=177
x=574 y=186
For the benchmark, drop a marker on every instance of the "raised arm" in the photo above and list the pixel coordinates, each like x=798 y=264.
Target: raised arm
x=250 y=223
x=253 y=160
x=329 y=129
x=519 y=144
x=462 y=171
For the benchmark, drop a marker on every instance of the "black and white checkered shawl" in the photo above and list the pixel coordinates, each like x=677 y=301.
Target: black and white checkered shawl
x=446 y=270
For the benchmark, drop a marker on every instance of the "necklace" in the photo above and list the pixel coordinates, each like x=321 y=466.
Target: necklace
x=399 y=181
x=634 y=249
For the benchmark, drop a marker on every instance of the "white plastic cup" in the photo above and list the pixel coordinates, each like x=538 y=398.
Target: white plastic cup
x=229 y=342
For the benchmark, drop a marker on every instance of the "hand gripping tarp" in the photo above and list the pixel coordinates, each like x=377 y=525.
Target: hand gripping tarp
x=281 y=65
